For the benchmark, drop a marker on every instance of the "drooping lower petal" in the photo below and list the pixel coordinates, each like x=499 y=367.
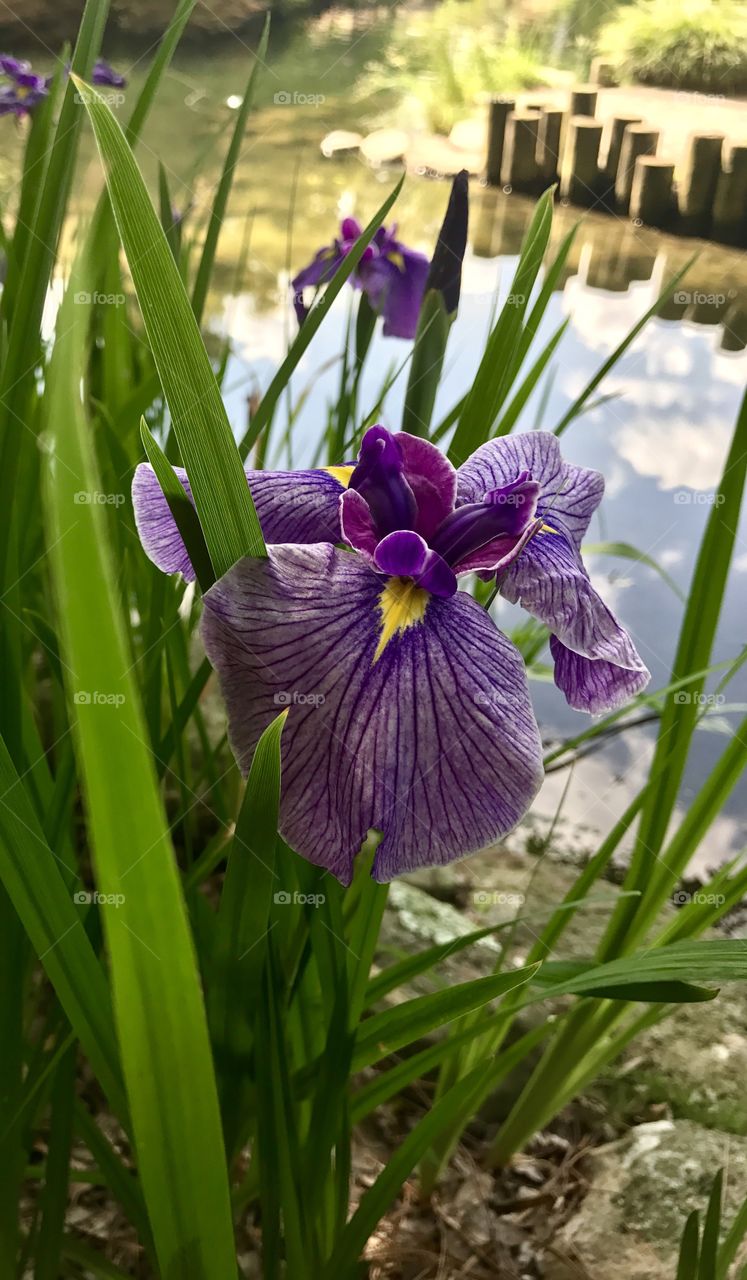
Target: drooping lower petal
x=550 y=581
x=594 y=685
x=292 y=506
x=569 y=495
x=407 y=714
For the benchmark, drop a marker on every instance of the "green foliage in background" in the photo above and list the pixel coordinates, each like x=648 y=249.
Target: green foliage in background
x=680 y=44
x=444 y=58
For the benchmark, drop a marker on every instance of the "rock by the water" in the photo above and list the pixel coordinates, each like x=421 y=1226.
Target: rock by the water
x=642 y=1190
x=340 y=142
x=470 y=135
x=385 y=146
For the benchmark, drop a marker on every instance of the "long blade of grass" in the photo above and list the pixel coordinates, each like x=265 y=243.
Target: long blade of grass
x=202 y=429
x=407 y=1022
x=493 y=377
x=680 y=715
x=157 y=999
x=220 y=203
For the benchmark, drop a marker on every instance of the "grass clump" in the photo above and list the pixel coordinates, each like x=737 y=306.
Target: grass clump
x=699 y=45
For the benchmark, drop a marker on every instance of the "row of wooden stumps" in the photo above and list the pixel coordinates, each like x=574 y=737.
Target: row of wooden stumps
x=531 y=148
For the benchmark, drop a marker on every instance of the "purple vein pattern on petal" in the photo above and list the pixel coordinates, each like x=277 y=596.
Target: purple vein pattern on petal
x=594 y=685
x=297 y=506
x=433 y=741
x=569 y=495
x=432 y=479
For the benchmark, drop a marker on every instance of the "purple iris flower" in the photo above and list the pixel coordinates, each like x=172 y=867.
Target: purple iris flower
x=104 y=74
x=24 y=89
x=391 y=275
x=409 y=711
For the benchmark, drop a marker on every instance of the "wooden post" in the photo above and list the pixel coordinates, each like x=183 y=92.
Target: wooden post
x=583 y=100
x=734 y=336
x=638 y=140
x=603 y=73
x=617 y=127
x=485 y=226
x=519 y=169
x=498 y=112
x=652 y=195
x=699 y=184
x=548 y=145
x=730 y=202
x=580 y=180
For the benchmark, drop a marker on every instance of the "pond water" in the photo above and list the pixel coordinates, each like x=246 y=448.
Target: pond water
x=660 y=442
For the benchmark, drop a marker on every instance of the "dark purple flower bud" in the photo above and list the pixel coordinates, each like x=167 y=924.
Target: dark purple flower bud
x=104 y=74
x=445 y=273
x=379 y=478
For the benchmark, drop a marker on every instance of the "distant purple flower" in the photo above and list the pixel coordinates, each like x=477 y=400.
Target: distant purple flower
x=391 y=275
x=24 y=89
x=104 y=74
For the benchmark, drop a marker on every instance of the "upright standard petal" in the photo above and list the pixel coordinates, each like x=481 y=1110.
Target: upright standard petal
x=292 y=506
x=408 y=714
x=569 y=495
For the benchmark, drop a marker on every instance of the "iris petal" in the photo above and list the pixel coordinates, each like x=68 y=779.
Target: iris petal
x=434 y=744
x=569 y=495
x=591 y=684
x=550 y=581
x=293 y=506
